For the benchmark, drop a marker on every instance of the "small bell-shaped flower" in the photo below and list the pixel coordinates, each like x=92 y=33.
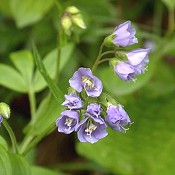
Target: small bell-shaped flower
x=73 y=101
x=67 y=122
x=124 y=35
x=117 y=118
x=84 y=79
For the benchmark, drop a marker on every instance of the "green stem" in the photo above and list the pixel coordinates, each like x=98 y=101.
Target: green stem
x=25 y=143
x=103 y=60
x=12 y=136
x=59 y=40
x=32 y=102
x=171 y=20
x=38 y=138
x=107 y=52
x=98 y=57
x=157 y=21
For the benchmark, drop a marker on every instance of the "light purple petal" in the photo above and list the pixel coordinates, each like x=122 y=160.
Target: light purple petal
x=1 y=119
x=83 y=78
x=68 y=121
x=72 y=101
x=117 y=118
x=137 y=56
x=125 y=35
x=125 y=71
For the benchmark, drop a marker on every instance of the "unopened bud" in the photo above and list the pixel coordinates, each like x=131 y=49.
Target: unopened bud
x=72 y=10
x=78 y=20
x=66 y=24
x=4 y=110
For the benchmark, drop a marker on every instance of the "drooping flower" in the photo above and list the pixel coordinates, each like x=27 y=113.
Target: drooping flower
x=117 y=118
x=138 y=59
x=83 y=78
x=1 y=119
x=135 y=65
x=72 y=101
x=124 y=35
x=125 y=71
x=67 y=122
x=93 y=110
x=91 y=130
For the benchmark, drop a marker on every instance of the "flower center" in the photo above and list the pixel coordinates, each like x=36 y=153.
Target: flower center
x=69 y=121
x=90 y=129
x=89 y=84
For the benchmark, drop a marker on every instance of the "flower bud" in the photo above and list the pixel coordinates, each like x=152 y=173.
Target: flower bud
x=78 y=21
x=71 y=18
x=72 y=10
x=4 y=110
x=66 y=23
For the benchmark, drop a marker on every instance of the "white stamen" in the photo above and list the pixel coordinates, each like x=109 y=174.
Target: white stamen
x=90 y=129
x=69 y=122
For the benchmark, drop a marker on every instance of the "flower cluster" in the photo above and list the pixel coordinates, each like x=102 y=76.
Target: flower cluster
x=135 y=61
x=88 y=110
x=85 y=117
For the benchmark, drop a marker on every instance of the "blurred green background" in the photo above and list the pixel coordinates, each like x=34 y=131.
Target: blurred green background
x=148 y=148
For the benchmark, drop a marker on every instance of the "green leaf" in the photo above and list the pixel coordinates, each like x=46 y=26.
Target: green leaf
x=5 y=7
x=3 y=143
x=19 y=165
x=169 y=3
x=50 y=82
x=36 y=170
x=49 y=62
x=11 y=79
x=5 y=166
x=29 y=11
x=46 y=115
x=147 y=148
x=23 y=60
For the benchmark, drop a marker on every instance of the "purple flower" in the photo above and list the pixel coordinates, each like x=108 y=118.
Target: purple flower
x=125 y=35
x=90 y=130
x=117 y=118
x=72 y=101
x=93 y=110
x=1 y=119
x=125 y=71
x=67 y=121
x=83 y=78
x=138 y=59
x=135 y=65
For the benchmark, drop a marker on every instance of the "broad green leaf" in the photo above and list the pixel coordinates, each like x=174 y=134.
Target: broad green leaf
x=23 y=60
x=3 y=143
x=36 y=170
x=5 y=7
x=19 y=165
x=50 y=63
x=163 y=81
x=49 y=110
x=5 y=166
x=147 y=148
x=169 y=3
x=11 y=79
x=29 y=11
